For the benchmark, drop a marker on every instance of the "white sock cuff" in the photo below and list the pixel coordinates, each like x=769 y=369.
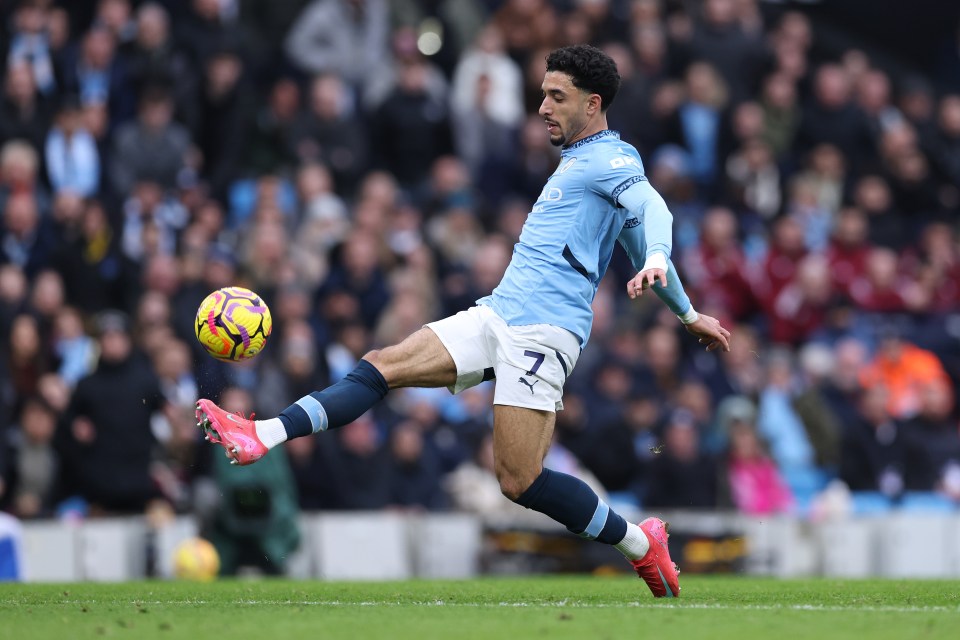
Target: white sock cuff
x=270 y=432
x=634 y=544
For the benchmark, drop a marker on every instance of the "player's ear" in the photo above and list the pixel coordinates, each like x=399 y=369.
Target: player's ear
x=593 y=104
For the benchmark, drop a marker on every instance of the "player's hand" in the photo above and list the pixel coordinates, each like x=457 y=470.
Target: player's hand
x=644 y=280
x=710 y=332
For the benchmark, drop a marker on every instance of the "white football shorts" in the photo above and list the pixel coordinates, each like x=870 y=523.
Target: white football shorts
x=530 y=362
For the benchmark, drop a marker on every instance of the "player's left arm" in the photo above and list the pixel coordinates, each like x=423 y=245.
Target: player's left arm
x=648 y=239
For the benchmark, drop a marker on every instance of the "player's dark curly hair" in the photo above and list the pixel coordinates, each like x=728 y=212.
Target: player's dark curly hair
x=590 y=69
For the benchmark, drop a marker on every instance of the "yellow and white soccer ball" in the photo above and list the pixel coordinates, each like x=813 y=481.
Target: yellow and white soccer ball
x=233 y=323
x=196 y=559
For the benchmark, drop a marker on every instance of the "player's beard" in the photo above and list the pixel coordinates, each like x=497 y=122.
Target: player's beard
x=560 y=139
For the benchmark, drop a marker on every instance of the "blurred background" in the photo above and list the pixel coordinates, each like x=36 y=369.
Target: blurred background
x=366 y=167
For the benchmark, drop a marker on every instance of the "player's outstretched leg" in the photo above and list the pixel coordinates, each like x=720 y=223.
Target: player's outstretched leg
x=421 y=360
x=521 y=438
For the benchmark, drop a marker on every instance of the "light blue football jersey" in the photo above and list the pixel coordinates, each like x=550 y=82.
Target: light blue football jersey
x=568 y=238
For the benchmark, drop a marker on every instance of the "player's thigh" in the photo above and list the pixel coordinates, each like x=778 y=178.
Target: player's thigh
x=466 y=338
x=521 y=438
x=420 y=360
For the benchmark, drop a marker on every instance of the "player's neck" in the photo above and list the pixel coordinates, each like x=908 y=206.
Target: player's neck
x=594 y=127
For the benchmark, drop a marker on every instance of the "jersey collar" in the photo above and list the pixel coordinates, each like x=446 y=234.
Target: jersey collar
x=603 y=133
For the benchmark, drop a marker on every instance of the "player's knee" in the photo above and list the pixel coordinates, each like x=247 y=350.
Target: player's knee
x=513 y=484
x=374 y=357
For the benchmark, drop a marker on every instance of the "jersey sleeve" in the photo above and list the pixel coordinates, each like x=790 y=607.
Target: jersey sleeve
x=619 y=177
x=616 y=172
x=631 y=238
x=643 y=202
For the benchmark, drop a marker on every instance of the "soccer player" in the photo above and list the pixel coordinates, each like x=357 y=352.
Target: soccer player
x=530 y=331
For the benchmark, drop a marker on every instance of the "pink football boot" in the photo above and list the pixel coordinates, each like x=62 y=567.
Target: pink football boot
x=232 y=431
x=656 y=568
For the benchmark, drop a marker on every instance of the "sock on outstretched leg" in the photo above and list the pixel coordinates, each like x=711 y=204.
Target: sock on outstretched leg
x=335 y=406
x=572 y=503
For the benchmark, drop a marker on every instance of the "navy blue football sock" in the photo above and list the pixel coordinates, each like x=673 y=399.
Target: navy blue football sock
x=573 y=504
x=336 y=405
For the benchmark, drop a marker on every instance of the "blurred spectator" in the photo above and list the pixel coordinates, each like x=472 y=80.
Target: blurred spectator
x=27 y=240
x=780 y=425
x=347 y=38
x=151 y=221
x=330 y=132
x=946 y=154
x=70 y=153
x=153 y=59
x=104 y=439
x=359 y=275
x=935 y=263
x=152 y=148
x=716 y=269
x=756 y=487
x=116 y=16
x=411 y=127
x=98 y=75
x=75 y=350
x=221 y=119
x=881 y=289
x=873 y=447
x=32 y=480
x=754 y=179
x=206 y=28
x=95 y=272
x=681 y=475
x=416 y=470
x=849 y=249
x=358 y=467
x=619 y=452
x=25 y=112
x=933 y=442
x=382 y=80
x=527 y=26
x=811 y=402
x=832 y=118
x=787 y=250
x=886 y=224
x=874 y=97
x=739 y=53
x=699 y=121
x=487 y=85
x=781 y=114
x=268 y=139
x=30 y=45
x=904 y=369
x=27 y=356
x=20 y=175
x=801 y=307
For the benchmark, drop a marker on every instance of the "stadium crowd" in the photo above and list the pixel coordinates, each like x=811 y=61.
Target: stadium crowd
x=366 y=166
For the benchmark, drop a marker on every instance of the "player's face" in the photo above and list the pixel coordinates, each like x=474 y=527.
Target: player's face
x=564 y=108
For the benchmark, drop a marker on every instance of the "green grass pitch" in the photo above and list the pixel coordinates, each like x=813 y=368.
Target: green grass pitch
x=585 y=608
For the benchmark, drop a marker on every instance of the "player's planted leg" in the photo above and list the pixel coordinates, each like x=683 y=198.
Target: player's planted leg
x=521 y=438
x=421 y=360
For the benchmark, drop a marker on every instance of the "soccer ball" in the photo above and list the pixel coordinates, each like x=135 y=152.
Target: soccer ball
x=196 y=559
x=233 y=323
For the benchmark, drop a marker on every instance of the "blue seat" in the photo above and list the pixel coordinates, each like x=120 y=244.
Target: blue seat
x=927 y=502
x=870 y=502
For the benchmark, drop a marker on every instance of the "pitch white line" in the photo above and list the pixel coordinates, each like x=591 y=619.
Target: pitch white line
x=561 y=604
